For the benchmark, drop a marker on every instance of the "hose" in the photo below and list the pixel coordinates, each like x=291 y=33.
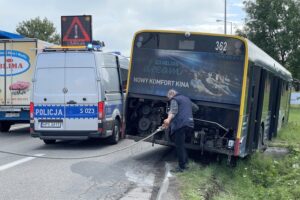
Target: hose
x=159 y=129
x=212 y=122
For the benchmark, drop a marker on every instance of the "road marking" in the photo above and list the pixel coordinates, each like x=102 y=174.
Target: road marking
x=19 y=126
x=18 y=162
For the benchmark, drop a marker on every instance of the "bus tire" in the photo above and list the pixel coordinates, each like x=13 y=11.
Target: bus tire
x=115 y=137
x=4 y=126
x=49 y=141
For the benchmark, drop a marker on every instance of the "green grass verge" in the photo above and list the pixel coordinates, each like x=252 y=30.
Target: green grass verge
x=256 y=177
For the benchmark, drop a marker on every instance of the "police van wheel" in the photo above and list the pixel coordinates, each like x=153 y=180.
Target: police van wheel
x=49 y=141
x=114 y=139
x=5 y=126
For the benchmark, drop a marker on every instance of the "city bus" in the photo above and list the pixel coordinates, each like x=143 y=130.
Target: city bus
x=242 y=93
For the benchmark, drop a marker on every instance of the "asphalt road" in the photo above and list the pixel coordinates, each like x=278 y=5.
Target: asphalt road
x=130 y=174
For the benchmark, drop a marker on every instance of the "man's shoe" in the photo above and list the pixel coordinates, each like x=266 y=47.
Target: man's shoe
x=186 y=167
x=177 y=170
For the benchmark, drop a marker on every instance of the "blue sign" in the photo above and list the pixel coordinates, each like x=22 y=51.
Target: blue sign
x=16 y=62
x=52 y=112
x=74 y=112
x=61 y=111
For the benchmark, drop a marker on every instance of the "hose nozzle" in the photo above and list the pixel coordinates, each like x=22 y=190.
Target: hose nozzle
x=161 y=128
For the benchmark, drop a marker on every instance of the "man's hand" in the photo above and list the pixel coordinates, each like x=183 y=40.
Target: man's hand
x=166 y=123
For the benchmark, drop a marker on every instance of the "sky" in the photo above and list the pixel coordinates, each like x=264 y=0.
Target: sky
x=116 y=21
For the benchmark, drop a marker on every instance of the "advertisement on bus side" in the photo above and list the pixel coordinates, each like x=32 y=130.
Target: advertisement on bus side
x=200 y=75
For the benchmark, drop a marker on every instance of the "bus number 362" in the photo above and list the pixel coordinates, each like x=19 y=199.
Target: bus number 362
x=221 y=46
x=87 y=111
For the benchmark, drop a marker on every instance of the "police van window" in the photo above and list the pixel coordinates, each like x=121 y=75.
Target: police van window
x=80 y=60
x=80 y=80
x=49 y=81
x=47 y=60
x=110 y=79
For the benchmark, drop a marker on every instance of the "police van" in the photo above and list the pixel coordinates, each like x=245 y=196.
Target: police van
x=78 y=94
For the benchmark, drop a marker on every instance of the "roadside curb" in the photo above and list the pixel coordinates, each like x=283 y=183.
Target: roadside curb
x=165 y=184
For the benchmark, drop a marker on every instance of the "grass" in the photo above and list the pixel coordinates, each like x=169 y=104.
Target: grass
x=291 y=133
x=257 y=177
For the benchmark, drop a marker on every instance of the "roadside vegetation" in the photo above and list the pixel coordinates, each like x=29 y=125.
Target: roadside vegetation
x=260 y=176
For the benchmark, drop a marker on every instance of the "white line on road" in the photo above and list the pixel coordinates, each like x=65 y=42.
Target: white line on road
x=19 y=126
x=18 y=162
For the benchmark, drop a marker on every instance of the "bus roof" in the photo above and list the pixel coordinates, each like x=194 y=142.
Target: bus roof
x=262 y=59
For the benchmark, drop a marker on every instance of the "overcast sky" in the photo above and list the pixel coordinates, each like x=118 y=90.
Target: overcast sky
x=116 y=21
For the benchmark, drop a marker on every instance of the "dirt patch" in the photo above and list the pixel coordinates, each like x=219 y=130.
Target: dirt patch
x=213 y=188
x=276 y=151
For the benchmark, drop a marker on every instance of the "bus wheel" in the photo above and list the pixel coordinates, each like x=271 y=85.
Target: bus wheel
x=49 y=141
x=4 y=126
x=114 y=139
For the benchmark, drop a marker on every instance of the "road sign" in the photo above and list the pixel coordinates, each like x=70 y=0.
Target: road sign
x=76 y=30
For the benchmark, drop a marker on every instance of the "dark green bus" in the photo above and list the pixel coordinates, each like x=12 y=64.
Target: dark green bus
x=242 y=93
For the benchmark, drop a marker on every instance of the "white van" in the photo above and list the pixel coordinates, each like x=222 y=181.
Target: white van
x=78 y=95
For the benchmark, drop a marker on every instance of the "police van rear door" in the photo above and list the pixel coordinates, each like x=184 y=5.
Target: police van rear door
x=81 y=95
x=48 y=92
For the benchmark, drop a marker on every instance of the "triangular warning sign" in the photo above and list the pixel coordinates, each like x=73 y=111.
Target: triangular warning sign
x=79 y=34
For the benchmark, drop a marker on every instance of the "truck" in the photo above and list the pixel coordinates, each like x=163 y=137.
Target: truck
x=17 y=58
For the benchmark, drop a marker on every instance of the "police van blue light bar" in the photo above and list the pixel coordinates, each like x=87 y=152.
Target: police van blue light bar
x=90 y=46
x=96 y=45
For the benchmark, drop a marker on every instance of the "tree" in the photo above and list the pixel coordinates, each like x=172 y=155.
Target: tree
x=40 y=29
x=275 y=27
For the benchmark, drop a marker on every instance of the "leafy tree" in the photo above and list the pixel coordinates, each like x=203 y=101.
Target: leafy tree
x=40 y=29
x=274 y=25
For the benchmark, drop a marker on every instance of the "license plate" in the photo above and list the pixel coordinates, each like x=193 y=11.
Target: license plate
x=51 y=124
x=12 y=114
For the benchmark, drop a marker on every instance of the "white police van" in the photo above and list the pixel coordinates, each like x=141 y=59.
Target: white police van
x=78 y=94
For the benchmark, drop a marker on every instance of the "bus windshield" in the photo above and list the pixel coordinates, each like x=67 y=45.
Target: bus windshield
x=203 y=67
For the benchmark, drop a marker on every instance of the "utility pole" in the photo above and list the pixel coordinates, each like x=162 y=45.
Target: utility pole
x=220 y=20
x=225 y=21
